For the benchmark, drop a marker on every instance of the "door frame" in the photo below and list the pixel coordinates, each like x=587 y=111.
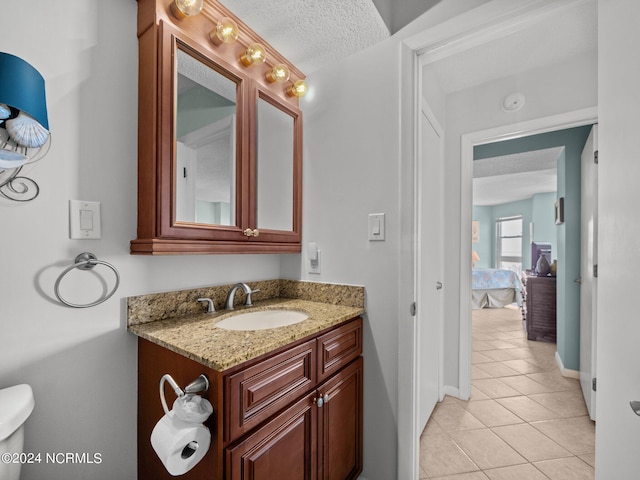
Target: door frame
x=577 y=118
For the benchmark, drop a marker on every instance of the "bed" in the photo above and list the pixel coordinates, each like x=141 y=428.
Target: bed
x=494 y=288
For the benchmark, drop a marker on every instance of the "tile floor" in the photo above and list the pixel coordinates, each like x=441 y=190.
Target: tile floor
x=524 y=420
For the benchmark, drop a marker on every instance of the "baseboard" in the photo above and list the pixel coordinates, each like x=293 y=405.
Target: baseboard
x=565 y=372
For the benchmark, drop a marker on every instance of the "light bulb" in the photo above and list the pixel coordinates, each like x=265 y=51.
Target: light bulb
x=226 y=31
x=182 y=9
x=298 y=89
x=254 y=55
x=278 y=73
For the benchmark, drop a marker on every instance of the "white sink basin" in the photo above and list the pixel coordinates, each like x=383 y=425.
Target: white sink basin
x=262 y=320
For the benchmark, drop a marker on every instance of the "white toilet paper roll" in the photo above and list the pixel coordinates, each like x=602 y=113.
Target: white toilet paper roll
x=179 y=445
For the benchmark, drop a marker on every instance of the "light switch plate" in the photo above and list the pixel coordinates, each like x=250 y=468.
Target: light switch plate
x=376 y=227
x=84 y=220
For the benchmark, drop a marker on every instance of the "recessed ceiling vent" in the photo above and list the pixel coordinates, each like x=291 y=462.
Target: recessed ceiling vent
x=513 y=102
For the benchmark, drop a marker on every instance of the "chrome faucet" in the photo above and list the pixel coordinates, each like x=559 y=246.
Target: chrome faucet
x=232 y=293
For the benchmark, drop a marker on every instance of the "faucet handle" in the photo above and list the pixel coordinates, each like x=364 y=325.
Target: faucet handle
x=247 y=301
x=210 y=307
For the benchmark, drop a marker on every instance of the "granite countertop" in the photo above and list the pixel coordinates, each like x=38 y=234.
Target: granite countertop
x=196 y=336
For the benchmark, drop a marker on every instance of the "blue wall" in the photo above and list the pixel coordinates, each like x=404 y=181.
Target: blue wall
x=485 y=248
x=544 y=222
x=537 y=210
x=568 y=233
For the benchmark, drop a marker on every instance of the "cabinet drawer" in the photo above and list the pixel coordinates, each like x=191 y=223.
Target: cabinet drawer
x=257 y=392
x=338 y=347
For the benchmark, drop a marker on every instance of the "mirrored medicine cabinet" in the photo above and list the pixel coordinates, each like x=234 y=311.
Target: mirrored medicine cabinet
x=219 y=147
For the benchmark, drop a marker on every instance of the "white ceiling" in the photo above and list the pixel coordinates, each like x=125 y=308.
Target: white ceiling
x=510 y=178
x=553 y=40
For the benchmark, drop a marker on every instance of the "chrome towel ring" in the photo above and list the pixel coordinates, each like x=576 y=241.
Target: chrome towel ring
x=86 y=261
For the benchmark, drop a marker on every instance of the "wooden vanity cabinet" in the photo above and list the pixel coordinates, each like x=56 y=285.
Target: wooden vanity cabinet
x=312 y=439
x=293 y=414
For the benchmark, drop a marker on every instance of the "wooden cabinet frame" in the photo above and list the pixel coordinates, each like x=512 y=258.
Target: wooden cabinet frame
x=159 y=34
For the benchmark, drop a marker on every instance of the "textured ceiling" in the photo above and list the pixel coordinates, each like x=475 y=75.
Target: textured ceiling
x=510 y=178
x=312 y=34
x=513 y=187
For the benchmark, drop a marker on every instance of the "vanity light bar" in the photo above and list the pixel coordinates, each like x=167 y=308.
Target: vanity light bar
x=227 y=31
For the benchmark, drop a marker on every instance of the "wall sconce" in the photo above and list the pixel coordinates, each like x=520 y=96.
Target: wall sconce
x=226 y=31
x=182 y=9
x=278 y=73
x=255 y=54
x=24 y=126
x=298 y=89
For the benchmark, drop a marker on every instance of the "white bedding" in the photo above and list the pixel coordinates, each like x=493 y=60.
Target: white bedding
x=493 y=288
x=495 y=298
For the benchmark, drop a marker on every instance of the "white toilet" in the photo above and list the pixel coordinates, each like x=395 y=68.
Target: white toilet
x=16 y=404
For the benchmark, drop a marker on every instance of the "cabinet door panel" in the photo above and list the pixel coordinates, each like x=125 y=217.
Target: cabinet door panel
x=338 y=347
x=341 y=424
x=283 y=449
x=257 y=392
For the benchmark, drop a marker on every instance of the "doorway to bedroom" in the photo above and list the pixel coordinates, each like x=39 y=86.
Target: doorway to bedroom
x=524 y=418
x=526 y=214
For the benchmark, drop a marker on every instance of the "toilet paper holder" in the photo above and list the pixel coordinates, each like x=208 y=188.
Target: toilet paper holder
x=200 y=384
x=180 y=438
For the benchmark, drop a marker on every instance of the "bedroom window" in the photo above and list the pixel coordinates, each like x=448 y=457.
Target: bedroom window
x=509 y=243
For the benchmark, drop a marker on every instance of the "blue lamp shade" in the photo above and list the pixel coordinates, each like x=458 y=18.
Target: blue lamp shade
x=22 y=87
